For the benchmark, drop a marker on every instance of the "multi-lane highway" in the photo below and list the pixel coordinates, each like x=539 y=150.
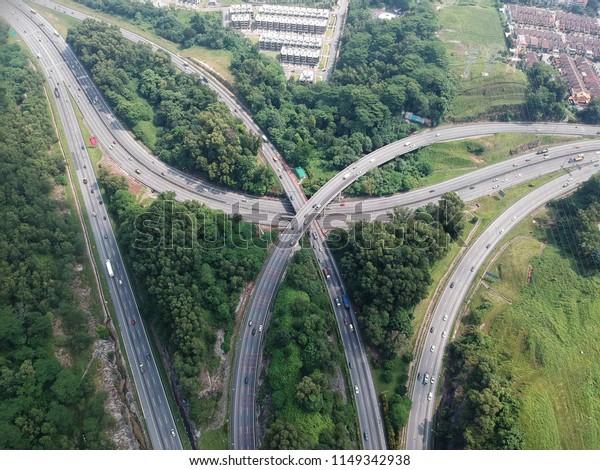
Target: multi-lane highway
x=135 y=160
x=159 y=420
x=452 y=299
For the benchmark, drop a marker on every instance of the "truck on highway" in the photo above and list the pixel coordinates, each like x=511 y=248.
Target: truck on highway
x=539 y=152
x=346 y=301
x=579 y=157
x=109 y=268
x=346 y=176
x=264 y=138
x=327 y=273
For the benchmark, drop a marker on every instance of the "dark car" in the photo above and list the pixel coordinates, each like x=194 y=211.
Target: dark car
x=132 y=321
x=253 y=331
x=246 y=380
x=451 y=285
x=432 y=329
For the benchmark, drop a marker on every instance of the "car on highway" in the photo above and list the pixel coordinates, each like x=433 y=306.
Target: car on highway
x=120 y=282
x=246 y=380
x=173 y=432
x=518 y=175
x=488 y=245
x=253 y=331
x=356 y=388
x=432 y=190
x=501 y=230
x=472 y=268
x=515 y=164
x=432 y=348
x=259 y=328
x=366 y=434
x=438 y=134
x=494 y=180
x=337 y=302
x=426 y=378
x=418 y=376
x=432 y=329
x=345 y=320
x=350 y=365
x=472 y=187
x=565 y=185
x=148 y=356
x=495 y=186
x=132 y=321
x=137 y=170
x=445 y=317
x=451 y=285
x=406 y=144
x=443 y=334
x=105 y=236
x=250 y=323
x=432 y=379
x=429 y=396
x=546 y=157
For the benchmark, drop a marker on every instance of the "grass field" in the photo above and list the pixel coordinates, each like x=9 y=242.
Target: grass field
x=451 y=159
x=549 y=339
x=474 y=39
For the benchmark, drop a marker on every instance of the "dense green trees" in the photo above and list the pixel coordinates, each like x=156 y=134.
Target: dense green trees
x=193 y=262
x=384 y=69
x=205 y=29
x=480 y=410
x=591 y=113
x=545 y=95
x=195 y=132
x=43 y=404
x=576 y=228
x=386 y=266
x=303 y=360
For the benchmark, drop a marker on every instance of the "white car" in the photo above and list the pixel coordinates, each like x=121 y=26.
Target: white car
x=432 y=379
x=429 y=396
x=443 y=334
x=173 y=430
x=438 y=134
x=406 y=144
x=432 y=349
x=514 y=217
x=259 y=328
x=445 y=317
x=501 y=230
x=356 y=388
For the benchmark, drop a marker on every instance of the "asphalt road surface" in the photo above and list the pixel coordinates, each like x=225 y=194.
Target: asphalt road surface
x=159 y=420
x=453 y=298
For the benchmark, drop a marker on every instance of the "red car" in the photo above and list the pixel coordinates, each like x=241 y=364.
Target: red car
x=132 y=321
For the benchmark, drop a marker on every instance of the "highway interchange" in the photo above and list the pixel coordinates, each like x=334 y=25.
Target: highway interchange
x=130 y=156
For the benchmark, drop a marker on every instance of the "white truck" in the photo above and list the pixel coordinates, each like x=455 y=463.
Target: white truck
x=346 y=176
x=109 y=268
x=55 y=33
